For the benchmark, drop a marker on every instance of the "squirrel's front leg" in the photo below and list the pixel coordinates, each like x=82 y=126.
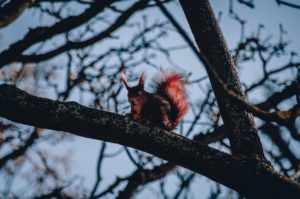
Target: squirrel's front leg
x=133 y=115
x=137 y=117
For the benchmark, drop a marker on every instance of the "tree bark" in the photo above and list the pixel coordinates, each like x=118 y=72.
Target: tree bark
x=251 y=177
x=239 y=123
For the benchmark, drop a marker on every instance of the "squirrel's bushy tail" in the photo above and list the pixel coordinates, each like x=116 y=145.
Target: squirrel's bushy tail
x=171 y=86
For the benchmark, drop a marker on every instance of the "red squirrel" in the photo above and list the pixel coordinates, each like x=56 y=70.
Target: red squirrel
x=165 y=107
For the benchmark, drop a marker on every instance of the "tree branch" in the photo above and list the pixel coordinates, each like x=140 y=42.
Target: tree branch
x=42 y=33
x=292 y=5
x=218 y=134
x=82 y=44
x=278 y=97
x=12 y=10
x=240 y=124
x=241 y=174
x=141 y=177
x=20 y=151
x=274 y=133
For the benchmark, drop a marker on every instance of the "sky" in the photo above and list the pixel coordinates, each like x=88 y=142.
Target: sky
x=266 y=12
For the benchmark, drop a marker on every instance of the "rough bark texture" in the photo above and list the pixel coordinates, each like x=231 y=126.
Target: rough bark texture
x=240 y=124
x=251 y=177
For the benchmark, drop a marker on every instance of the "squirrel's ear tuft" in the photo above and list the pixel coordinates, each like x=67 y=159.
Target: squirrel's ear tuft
x=142 y=80
x=124 y=79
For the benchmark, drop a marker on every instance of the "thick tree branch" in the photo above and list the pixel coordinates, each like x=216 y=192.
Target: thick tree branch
x=281 y=117
x=142 y=177
x=243 y=133
x=241 y=174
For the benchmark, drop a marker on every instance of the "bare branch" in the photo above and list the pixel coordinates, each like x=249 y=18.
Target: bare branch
x=292 y=5
x=12 y=10
x=42 y=33
x=20 y=151
x=241 y=174
x=82 y=44
x=243 y=133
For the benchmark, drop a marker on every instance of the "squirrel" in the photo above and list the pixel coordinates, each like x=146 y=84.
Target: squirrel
x=165 y=107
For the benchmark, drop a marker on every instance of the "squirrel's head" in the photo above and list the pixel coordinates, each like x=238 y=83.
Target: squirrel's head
x=136 y=94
